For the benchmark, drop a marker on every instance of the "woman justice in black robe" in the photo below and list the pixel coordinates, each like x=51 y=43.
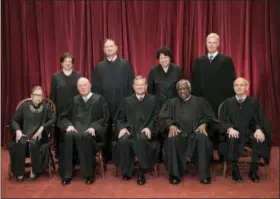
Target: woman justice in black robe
x=63 y=89
x=30 y=130
x=162 y=80
x=184 y=120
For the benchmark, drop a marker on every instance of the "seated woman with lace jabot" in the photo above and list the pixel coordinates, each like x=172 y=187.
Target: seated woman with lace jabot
x=30 y=131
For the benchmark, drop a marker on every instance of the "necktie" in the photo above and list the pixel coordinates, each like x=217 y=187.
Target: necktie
x=211 y=58
x=141 y=98
x=240 y=101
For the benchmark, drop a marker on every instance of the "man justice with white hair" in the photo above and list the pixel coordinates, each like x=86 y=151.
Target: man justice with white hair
x=212 y=76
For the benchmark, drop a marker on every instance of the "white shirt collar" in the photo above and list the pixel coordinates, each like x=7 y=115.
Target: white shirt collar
x=87 y=97
x=213 y=54
x=112 y=60
x=140 y=96
x=188 y=98
x=239 y=98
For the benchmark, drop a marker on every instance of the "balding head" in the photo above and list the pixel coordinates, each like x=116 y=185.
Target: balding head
x=212 y=42
x=84 y=86
x=214 y=36
x=240 y=85
x=241 y=80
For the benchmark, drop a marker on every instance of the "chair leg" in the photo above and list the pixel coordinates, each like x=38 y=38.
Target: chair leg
x=156 y=170
x=225 y=169
x=266 y=168
x=50 y=168
x=10 y=171
x=116 y=170
x=211 y=170
x=101 y=165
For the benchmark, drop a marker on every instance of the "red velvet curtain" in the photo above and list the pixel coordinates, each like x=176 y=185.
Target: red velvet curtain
x=36 y=33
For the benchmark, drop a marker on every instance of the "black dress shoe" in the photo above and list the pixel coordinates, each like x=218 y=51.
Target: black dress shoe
x=174 y=180
x=236 y=176
x=89 y=180
x=206 y=181
x=254 y=177
x=141 y=180
x=66 y=181
x=125 y=178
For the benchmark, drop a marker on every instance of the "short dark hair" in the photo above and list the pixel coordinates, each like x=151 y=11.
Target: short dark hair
x=67 y=55
x=164 y=50
x=37 y=87
x=109 y=39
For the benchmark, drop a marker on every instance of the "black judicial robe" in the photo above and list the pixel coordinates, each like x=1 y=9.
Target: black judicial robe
x=187 y=116
x=245 y=118
x=63 y=89
x=29 y=118
x=136 y=115
x=163 y=84
x=113 y=81
x=82 y=115
x=213 y=81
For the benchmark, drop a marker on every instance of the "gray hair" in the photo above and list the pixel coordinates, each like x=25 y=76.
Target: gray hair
x=184 y=81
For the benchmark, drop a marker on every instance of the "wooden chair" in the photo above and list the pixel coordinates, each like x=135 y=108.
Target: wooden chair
x=244 y=161
x=51 y=163
x=100 y=159
x=117 y=169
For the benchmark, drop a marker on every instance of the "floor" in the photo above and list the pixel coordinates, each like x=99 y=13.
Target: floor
x=114 y=187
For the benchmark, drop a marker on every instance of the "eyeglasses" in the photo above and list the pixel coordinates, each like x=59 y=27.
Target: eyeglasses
x=38 y=95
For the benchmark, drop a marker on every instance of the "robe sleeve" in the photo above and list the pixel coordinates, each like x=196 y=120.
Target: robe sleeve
x=151 y=88
x=209 y=116
x=196 y=80
x=120 y=118
x=260 y=121
x=225 y=119
x=51 y=117
x=181 y=73
x=153 y=120
x=96 y=81
x=165 y=118
x=229 y=77
x=64 y=120
x=53 y=90
x=102 y=119
x=130 y=79
x=17 y=119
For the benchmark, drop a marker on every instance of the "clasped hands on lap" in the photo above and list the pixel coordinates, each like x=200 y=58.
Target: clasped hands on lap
x=37 y=135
